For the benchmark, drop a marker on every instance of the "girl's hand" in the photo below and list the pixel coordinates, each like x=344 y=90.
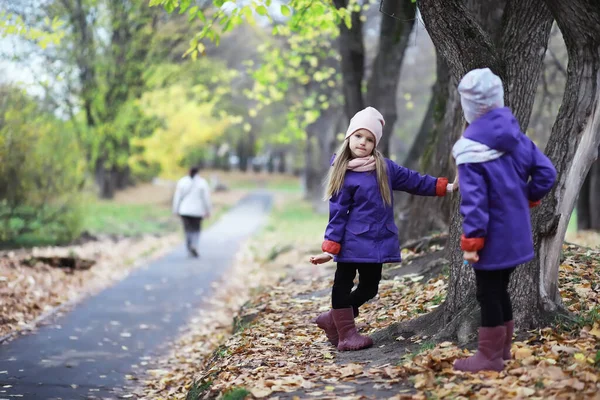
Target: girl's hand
x=471 y=256
x=320 y=259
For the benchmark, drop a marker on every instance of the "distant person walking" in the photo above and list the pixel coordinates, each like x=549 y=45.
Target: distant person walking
x=192 y=203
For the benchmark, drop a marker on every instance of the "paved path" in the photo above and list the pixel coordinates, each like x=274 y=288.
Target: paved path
x=87 y=353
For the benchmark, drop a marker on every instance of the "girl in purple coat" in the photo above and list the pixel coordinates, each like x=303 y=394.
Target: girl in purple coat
x=361 y=233
x=502 y=174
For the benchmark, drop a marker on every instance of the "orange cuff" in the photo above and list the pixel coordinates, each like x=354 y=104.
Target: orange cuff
x=534 y=203
x=331 y=247
x=471 y=244
x=440 y=186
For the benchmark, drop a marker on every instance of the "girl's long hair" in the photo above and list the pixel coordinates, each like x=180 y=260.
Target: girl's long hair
x=337 y=172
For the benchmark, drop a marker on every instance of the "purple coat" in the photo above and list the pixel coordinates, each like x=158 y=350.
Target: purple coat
x=361 y=227
x=497 y=194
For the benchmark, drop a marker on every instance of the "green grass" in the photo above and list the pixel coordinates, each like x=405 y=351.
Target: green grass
x=572 y=227
x=236 y=394
x=197 y=389
x=105 y=217
x=294 y=222
x=252 y=180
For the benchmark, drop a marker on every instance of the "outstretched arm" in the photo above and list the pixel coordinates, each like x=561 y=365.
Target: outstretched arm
x=406 y=180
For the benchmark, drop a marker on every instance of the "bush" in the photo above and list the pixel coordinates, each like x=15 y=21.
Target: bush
x=41 y=173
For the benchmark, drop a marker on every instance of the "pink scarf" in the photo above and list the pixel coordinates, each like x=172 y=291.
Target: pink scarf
x=362 y=164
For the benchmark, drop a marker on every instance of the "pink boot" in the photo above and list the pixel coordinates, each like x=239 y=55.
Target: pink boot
x=325 y=322
x=510 y=328
x=489 y=352
x=349 y=339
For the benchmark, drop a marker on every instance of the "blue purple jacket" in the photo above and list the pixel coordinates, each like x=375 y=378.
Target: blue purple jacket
x=361 y=227
x=497 y=194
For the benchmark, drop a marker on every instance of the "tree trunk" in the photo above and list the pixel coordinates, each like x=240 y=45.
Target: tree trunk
x=588 y=204
x=352 y=52
x=105 y=180
x=460 y=299
x=383 y=83
x=465 y=45
x=282 y=162
x=318 y=151
x=573 y=144
x=419 y=216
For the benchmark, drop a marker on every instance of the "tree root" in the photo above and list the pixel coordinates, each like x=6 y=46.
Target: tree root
x=422 y=244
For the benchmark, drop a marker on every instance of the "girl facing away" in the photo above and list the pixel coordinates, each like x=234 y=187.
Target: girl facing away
x=502 y=174
x=361 y=234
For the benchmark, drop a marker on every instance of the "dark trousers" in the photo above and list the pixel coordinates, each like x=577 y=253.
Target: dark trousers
x=191 y=224
x=191 y=227
x=342 y=295
x=493 y=297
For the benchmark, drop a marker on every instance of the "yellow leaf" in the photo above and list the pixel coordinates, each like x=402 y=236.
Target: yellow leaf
x=596 y=330
x=580 y=357
x=523 y=353
x=260 y=392
x=351 y=370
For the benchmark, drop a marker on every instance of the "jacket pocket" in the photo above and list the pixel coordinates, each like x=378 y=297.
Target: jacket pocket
x=358 y=229
x=392 y=227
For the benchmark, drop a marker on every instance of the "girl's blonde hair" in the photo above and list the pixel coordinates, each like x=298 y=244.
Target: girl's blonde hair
x=337 y=172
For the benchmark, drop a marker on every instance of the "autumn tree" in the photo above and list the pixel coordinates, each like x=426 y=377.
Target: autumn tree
x=98 y=72
x=572 y=147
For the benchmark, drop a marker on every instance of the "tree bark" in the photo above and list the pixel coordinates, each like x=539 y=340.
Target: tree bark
x=573 y=144
x=420 y=216
x=588 y=203
x=516 y=33
x=451 y=26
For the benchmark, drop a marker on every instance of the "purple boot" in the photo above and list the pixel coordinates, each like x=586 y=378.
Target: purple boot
x=510 y=328
x=349 y=339
x=489 y=352
x=325 y=322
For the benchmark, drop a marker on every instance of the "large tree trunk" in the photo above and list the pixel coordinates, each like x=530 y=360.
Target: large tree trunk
x=588 y=204
x=573 y=144
x=383 y=83
x=465 y=45
x=526 y=27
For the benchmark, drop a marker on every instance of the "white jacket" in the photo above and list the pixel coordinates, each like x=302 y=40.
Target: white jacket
x=192 y=197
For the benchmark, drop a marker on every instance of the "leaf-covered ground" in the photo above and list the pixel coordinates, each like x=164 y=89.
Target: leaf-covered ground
x=274 y=351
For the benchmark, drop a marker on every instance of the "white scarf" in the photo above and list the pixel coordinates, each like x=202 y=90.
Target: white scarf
x=467 y=151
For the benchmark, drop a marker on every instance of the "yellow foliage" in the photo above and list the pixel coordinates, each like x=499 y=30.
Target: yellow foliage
x=188 y=125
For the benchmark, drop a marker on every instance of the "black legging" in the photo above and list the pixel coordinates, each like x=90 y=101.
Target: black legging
x=493 y=297
x=342 y=296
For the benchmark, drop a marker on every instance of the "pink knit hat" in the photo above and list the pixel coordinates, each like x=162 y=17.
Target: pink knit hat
x=369 y=119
